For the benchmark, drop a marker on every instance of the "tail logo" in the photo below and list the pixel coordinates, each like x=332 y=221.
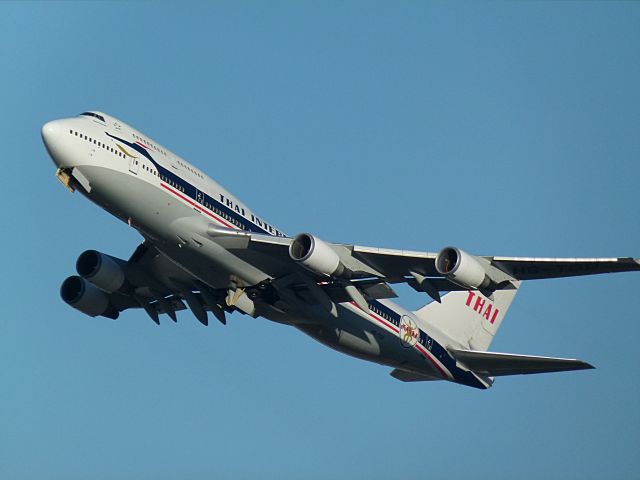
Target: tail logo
x=409 y=333
x=482 y=307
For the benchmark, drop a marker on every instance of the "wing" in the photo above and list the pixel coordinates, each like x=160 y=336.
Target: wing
x=412 y=266
x=159 y=286
x=538 y=268
x=271 y=254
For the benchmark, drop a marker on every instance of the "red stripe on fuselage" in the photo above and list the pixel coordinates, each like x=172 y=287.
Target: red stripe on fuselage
x=142 y=145
x=390 y=326
x=379 y=319
x=199 y=207
x=418 y=346
x=429 y=357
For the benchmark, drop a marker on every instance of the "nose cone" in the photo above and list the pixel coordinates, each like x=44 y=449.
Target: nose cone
x=52 y=136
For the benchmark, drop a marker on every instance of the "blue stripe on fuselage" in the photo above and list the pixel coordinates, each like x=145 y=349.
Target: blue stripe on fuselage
x=191 y=191
x=429 y=343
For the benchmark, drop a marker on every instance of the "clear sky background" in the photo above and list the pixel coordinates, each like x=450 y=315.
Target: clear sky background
x=504 y=128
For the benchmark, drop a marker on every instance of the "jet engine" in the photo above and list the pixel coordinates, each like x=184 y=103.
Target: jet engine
x=462 y=268
x=87 y=298
x=315 y=255
x=102 y=270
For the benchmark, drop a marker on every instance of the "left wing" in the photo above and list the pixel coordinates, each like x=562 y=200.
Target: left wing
x=451 y=269
x=401 y=262
x=538 y=268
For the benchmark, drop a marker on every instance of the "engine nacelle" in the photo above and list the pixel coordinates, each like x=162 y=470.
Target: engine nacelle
x=102 y=270
x=315 y=255
x=87 y=298
x=462 y=268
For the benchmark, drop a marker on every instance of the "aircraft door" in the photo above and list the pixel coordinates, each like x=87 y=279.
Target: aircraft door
x=134 y=165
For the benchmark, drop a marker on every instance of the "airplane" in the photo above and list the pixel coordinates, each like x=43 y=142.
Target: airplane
x=204 y=248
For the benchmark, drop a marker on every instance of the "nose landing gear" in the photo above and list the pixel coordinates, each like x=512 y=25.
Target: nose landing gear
x=66 y=179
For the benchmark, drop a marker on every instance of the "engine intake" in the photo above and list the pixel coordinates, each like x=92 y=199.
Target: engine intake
x=89 y=299
x=102 y=270
x=316 y=255
x=462 y=268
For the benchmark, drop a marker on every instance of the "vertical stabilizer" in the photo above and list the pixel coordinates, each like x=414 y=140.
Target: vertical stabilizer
x=469 y=317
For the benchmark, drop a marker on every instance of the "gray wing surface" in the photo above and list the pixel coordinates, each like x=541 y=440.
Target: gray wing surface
x=538 y=268
x=388 y=263
x=397 y=265
x=159 y=286
x=498 y=364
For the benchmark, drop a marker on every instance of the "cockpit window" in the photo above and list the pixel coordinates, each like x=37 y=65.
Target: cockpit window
x=91 y=114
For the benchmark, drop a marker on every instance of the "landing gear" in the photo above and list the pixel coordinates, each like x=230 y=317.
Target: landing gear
x=66 y=179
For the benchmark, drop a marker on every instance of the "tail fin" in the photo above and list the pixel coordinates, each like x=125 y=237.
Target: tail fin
x=469 y=317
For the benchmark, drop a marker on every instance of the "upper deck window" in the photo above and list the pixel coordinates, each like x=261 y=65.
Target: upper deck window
x=91 y=114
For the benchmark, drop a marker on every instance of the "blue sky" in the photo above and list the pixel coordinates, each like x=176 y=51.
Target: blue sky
x=504 y=128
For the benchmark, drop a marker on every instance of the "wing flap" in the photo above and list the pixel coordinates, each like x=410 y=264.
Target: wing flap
x=494 y=364
x=397 y=263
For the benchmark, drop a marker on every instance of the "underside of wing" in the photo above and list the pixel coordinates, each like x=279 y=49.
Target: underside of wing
x=398 y=263
x=451 y=269
x=539 y=268
x=106 y=286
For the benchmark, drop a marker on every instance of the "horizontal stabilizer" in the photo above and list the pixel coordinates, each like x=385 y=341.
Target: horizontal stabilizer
x=406 y=376
x=497 y=364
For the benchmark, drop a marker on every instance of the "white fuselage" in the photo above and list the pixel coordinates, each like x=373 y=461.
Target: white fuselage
x=172 y=204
